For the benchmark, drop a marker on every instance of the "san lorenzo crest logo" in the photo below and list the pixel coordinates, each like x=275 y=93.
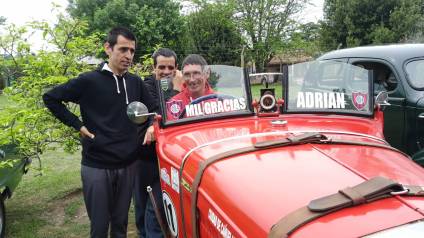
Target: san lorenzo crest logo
x=174 y=107
x=359 y=100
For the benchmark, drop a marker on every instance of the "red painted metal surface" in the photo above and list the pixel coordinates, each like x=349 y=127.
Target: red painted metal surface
x=244 y=195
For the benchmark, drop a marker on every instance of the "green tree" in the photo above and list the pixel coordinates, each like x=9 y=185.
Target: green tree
x=25 y=122
x=12 y=47
x=265 y=23
x=212 y=33
x=349 y=23
x=407 y=21
x=154 y=22
x=303 y=40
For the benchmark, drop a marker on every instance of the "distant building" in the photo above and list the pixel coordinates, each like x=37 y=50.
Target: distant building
x=91 y=60
x=275 y=68
x=277 y=63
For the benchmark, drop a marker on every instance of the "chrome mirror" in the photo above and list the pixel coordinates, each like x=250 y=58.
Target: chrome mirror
x=381 y=99
x=138 y=113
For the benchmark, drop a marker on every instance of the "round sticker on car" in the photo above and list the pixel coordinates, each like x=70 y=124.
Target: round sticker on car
x=170 y=213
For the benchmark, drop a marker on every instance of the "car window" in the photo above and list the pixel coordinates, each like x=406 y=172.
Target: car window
x=415 y=71
x=329 y=86
x=384 y=78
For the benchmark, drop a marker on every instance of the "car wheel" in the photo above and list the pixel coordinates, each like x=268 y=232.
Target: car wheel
x=2 y=218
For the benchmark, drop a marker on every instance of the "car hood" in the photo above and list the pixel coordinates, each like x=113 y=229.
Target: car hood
x=263 y=186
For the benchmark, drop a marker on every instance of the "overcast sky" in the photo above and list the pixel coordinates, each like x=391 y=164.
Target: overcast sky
x=21 y=11
x=313 y=12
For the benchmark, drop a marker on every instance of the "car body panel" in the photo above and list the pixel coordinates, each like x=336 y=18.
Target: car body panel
x=265 y=168
x=11 y=173
x=355 y=222
x=244 y=194
x=224 y=183
x=402 y=128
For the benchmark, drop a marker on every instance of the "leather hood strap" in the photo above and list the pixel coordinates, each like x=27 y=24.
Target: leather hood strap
x=368 y=191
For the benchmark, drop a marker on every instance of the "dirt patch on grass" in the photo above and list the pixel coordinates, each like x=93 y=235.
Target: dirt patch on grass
x=68 y=208
x=81 y=216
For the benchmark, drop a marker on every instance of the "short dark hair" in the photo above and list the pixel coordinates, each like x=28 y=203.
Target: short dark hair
x=194 y=59
x=112 y=36
x=165 y=52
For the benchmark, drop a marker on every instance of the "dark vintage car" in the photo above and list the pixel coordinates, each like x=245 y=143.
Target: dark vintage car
x=264 y=78
x=311 y=164
x=11 y=171
x=399 y=70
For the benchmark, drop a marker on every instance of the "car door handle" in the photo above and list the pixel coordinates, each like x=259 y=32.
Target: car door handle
x=421 y=116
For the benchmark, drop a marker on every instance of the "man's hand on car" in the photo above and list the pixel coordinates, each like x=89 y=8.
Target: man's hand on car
x=150 y=136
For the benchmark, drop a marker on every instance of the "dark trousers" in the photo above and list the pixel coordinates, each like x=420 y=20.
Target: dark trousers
x=107 y=197
x=147 y=175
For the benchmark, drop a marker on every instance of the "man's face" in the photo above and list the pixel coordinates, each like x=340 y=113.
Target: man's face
x=121 y=54
x=195 y=79
x=165 y=66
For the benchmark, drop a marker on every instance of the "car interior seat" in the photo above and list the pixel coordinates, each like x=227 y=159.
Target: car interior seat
x=391 y=82
x=379 y=82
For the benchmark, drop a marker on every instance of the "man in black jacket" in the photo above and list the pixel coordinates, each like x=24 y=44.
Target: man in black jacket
x=110 y=141
x=165 y=65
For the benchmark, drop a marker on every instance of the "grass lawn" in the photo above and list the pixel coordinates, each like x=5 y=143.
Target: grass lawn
x=3 y=101
x=51 y=205
x=256 y=90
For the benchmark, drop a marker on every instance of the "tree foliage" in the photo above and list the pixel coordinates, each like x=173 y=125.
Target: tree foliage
x=154 y=22
x=13 y=48
x=219 y=29
x=303 y=41
x=25 y=122
x=212 y=33
x=266 y=24
x=349 y=23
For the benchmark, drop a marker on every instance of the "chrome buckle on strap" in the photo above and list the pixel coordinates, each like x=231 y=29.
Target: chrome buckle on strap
x=404 y=191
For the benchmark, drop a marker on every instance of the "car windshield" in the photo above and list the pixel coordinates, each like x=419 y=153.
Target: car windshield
x=219 y=90
x=330 y=87
x=415 y=71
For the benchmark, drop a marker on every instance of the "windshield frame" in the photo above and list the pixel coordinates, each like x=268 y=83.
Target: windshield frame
x=249 y=111
x=371 y=98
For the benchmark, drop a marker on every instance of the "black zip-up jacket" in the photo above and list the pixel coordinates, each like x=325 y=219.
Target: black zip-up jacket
x=149 y=151
x=103 y=99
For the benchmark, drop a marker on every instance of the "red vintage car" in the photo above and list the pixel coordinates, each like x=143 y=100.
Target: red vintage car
x=305 y=157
